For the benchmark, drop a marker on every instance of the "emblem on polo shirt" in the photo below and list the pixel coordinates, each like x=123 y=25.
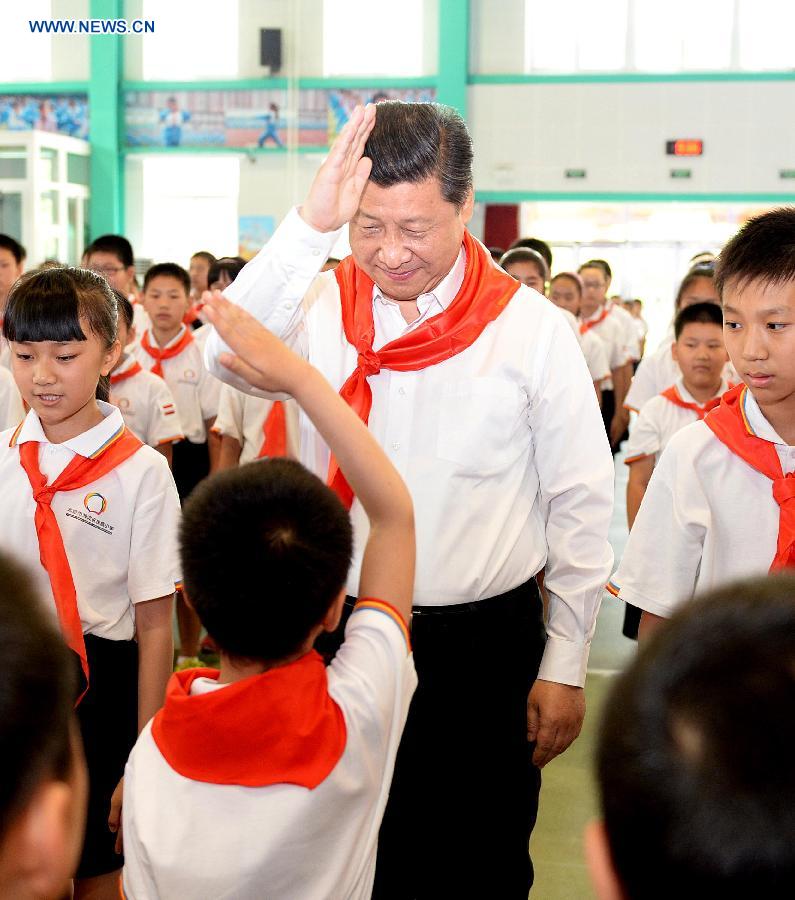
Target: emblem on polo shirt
x=95 y=503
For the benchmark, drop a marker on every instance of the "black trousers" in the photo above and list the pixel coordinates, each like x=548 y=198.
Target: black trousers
x=190 y=464
x=464 y=795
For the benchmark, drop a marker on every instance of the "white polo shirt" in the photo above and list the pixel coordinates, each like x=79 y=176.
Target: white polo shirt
x=707 y=518
x=502 y=446
x=146 y=404
x=242 y=417
x=593 y=349
x=120 y=533
x=658 y=422
x=627 y=322
x=611 y=332
x=195 y=391
x=188 y=839
x=12 y=410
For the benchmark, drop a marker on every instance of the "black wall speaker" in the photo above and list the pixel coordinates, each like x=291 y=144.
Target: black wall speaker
x=270 y=48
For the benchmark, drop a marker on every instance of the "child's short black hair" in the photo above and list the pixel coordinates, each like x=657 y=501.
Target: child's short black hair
x=694 y=758
x=265 y=551
x=762 y=250
x=697 y=312
x=116 y=244
x=232 y=265
x=37 y=692
x=169 y=269
x=526 y=254
x=14 y=247
x=598 y=264
x=47 y=305
x=700 y=270
x=531 y=243
x=208 y=257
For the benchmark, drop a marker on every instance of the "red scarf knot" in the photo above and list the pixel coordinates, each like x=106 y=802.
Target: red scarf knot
x=368 y=361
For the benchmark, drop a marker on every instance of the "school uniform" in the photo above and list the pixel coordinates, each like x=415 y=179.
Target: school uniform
x=261 y=427
x=663 y=416
x=141 y=320
x=195 y=392
x=118 y=548
x=656 y=372
x=146 y=403
x=708 y=517
x=606 y=326
x=12 y=410
x=627 y=322
x=291 y=815
x=593 y=349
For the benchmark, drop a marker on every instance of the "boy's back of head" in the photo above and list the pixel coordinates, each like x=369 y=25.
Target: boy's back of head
x=265 y=551
x=695 y=753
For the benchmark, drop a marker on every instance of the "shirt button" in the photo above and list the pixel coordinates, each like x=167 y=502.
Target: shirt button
x=396 y=446
x=316 y=252
x=402 y=391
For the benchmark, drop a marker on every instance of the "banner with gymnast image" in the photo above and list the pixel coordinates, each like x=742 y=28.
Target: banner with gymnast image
x=244 y=118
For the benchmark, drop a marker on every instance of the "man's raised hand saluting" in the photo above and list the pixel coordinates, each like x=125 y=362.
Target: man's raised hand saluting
x=337 y=189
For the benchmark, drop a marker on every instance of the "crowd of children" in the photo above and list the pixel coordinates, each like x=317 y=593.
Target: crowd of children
x=111 y=422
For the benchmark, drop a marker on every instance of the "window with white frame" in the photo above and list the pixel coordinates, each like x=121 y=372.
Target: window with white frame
x=193 y=39
x=358 y=40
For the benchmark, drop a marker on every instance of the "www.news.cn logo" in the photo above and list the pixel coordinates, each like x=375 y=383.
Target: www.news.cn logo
x=91 y=26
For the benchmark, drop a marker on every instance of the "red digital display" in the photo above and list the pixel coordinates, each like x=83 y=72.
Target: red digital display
x=685 y=147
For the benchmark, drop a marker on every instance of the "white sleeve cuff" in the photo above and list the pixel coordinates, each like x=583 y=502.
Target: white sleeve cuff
x=564 y=662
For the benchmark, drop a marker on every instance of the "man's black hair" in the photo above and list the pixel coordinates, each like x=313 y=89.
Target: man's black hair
x=265 y=551
x=694 y=757
x=697 y=312
x=119 y=246
x=417 y=141
x=37 y=692
x=14 y=247
x=531 y=243
x=762 y=250
x=170 y=270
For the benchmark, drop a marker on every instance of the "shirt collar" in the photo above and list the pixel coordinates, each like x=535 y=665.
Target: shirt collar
x=445 y=292
x=757 y=422
x=89 y=443
x=595 y=315
x=177 y=337
x=688 y=397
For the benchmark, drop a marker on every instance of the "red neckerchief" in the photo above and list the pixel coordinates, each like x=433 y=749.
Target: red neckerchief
x=484 y=293
x=274 y=432
x=587 y=326
x=161 y=353
x=730 y=426
x=280 y=727
x=672 y=394
x=81 y=472
x=192 y=314
x=134 y=369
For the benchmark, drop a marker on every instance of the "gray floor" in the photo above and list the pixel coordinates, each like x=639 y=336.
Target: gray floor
x=568 y=797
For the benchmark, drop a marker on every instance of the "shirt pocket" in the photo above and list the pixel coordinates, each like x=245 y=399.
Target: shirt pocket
x=483 y=425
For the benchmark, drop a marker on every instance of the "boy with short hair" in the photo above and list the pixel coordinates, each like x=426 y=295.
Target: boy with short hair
x=290 y=761
x=145 y=401
x=174 y=352
x=718 y=506
x=694 y=759
x=111 y=255
x=701 y=354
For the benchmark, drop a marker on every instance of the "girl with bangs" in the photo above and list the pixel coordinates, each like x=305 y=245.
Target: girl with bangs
x=93 y=513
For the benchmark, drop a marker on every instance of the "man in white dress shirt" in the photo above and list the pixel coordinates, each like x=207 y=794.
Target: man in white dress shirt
x=475 y=387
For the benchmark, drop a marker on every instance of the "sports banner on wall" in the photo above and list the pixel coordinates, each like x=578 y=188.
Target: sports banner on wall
x=59 y=113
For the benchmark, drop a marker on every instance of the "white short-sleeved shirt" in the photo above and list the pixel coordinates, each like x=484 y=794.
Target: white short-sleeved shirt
x=141 y=320
x=658 y=422
x=120 y=533
x=195 y=391
x=242 y=417
x=627 y=321
x=502 y=446
x=146 y=404
x=593 y=349
x=611 y=332
x=191 y=839
x=12 y=410
x=707 y=518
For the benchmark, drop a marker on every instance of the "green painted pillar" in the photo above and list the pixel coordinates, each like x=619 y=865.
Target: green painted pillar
x=104 y=107
x=453 y=54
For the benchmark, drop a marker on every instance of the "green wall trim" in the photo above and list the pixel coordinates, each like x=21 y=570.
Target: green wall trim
x=631 y=77
x=105 y=124
x=629 y=197
x=451 y=87
x=44 y=87
x=264 y=84
x=241 y=84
